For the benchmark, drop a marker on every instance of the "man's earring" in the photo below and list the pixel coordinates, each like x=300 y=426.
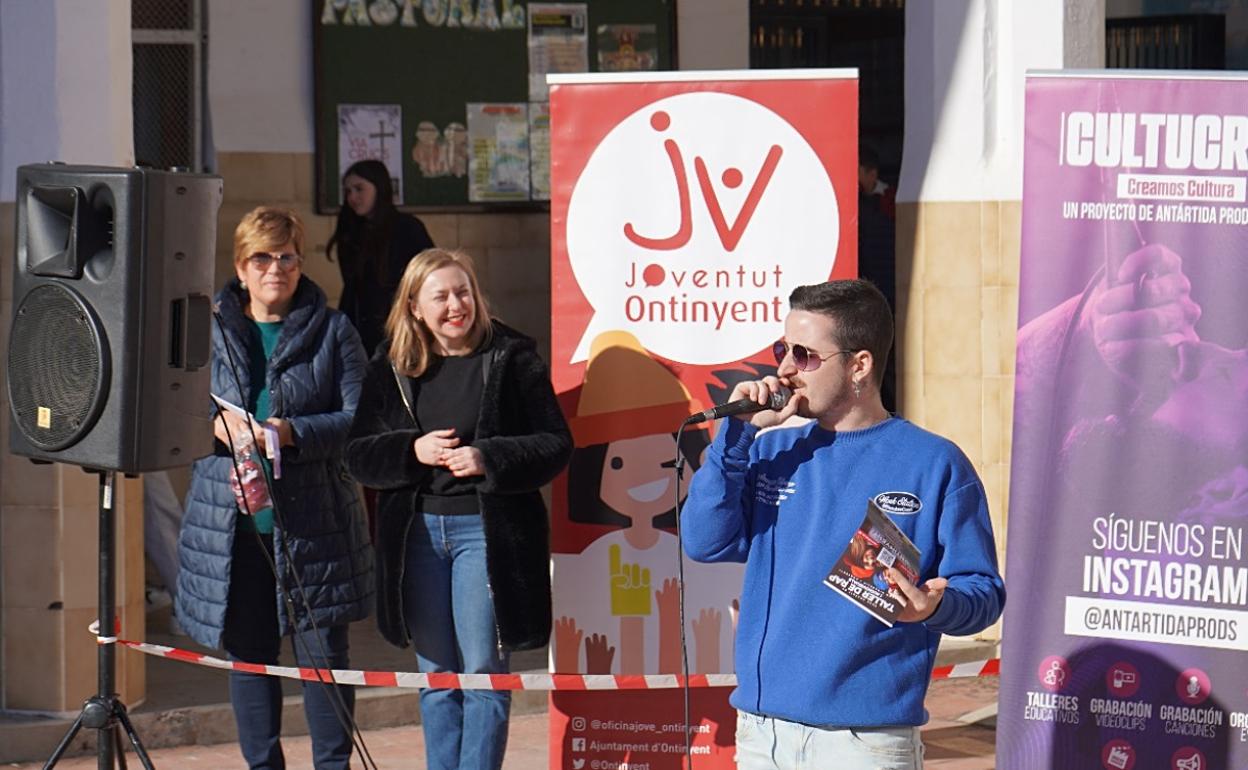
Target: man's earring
x=857 y=389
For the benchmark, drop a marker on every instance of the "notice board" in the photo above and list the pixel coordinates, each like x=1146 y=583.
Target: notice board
x=450 y=94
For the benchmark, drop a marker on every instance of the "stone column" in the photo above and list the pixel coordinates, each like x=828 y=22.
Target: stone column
x=958 y=212
x=65 y=73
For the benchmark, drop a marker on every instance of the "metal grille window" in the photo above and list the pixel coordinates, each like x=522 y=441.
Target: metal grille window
x=1191 y=41
x=867 y=34
x=163 y=14
x=169 y=42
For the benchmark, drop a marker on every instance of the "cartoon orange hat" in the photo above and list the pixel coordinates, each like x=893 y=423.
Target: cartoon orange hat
x=627 y=394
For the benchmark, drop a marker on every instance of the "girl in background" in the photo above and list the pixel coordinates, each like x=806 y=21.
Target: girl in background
x=373 y=242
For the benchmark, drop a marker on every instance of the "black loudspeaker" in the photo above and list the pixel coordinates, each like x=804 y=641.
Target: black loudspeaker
x=112 y=305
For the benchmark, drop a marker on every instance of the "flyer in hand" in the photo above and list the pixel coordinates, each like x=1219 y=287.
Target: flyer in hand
x=859 y=573
x=252 y=491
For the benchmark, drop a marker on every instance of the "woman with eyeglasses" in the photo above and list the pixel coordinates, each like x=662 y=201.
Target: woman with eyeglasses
x=273 y=543
x=459 y=429
x=373 y=242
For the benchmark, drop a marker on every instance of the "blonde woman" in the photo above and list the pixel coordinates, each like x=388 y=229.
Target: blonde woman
x=459 y=429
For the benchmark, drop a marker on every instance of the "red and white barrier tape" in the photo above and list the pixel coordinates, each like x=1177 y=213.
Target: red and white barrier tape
x=558 y=682
x=978 y=668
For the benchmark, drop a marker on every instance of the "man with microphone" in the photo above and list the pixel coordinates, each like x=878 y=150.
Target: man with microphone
x=821 y=683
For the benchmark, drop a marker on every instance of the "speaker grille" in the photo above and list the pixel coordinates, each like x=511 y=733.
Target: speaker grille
x=57 y=367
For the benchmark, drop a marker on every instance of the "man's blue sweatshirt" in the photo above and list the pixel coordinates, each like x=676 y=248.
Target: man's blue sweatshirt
x=787 y=501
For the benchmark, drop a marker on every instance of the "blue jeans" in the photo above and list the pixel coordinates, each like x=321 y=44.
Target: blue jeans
x=767 y=743
x=251 y=635
x=450 y=616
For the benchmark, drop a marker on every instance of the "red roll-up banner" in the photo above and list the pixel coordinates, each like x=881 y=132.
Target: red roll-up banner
x=685 y=207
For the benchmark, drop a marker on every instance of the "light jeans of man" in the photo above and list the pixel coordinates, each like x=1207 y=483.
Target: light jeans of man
x=766 y=743
x=450 y=615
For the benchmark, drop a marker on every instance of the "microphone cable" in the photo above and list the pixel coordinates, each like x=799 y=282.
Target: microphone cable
x=679 y=466
x=342 y=713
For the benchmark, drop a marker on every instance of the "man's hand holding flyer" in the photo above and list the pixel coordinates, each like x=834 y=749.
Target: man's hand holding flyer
x=860 y=574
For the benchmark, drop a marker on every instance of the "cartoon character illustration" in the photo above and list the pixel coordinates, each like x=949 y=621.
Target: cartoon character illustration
x=429 y=152
x=619 y=595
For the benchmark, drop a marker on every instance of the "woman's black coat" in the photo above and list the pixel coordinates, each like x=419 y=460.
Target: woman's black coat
x=525 y=443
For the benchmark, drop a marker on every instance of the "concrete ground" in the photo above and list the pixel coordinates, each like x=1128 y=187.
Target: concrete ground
x=186 y=721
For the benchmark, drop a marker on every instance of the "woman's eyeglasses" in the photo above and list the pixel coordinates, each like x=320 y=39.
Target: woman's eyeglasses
x=262 y=261
x=806 y=360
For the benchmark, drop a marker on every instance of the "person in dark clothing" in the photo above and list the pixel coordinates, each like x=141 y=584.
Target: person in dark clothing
x=373 y=242
x=877 y=230
x=278 y=549
x=459 y=429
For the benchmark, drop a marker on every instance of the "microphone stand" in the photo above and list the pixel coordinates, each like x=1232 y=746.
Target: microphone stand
x=104 y=711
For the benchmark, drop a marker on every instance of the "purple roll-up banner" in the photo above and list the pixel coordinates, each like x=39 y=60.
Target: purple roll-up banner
x=1126 y=634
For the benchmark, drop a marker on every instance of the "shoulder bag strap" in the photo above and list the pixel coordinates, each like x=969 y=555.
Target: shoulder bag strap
x=405 y=393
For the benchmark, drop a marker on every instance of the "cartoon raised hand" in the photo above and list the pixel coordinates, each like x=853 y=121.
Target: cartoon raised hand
x=567 y=645
x=668 y=600
x=633 y=644
x=706 y=640
x=598 y=655
x=630 y=586
x=1142 y=311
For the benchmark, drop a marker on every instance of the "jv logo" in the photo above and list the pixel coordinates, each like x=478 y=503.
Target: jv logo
x=729 y=235
x=694 y=217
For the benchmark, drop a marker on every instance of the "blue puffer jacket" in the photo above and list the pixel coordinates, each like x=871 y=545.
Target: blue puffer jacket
x=314 y=381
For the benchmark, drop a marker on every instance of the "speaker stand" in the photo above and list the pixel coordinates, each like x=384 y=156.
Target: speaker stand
x=104 y=712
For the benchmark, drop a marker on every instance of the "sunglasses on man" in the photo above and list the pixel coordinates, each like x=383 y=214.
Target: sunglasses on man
x=804 y=358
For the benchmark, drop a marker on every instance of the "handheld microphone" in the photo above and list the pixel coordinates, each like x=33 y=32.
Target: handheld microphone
x=778 y=401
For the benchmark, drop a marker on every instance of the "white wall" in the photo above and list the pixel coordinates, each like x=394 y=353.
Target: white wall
x=965 y=67
x=65 y=74
x=260 y=75
x=713 y=34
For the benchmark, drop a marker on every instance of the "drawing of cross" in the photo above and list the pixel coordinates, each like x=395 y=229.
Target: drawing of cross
x=381 y=137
